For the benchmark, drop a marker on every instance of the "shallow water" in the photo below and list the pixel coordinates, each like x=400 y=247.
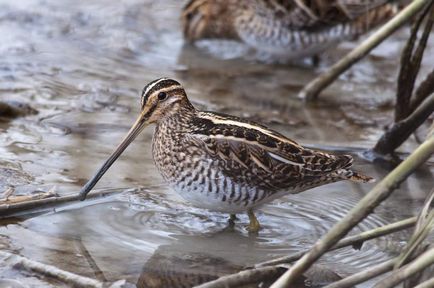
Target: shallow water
x=82 y=67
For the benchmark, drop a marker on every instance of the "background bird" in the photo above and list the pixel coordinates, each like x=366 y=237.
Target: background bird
x=286 y=28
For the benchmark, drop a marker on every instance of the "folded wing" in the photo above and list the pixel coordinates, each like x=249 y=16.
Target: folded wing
x=250 y=153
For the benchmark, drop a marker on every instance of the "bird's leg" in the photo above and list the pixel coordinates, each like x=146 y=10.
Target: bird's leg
x=232 y=218
x=231 y=222
x=316 y=59
x=254 y=225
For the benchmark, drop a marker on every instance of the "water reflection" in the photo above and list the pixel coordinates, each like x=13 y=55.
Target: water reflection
x=182 y=265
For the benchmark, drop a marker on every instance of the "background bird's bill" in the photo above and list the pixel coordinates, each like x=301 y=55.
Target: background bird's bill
x=135 y=130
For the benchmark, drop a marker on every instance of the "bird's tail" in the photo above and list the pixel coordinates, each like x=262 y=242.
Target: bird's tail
x=373 y=18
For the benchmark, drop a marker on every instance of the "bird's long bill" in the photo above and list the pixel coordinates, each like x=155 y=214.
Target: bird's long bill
x=132 y=134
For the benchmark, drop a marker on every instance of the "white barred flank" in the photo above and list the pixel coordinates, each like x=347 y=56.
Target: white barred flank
x=219 y=193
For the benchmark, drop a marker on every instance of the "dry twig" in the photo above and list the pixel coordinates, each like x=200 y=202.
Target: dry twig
x=411 y=59
x=30 y=204
x=411 y=112
x=364 y=276
x=424 y=225
x=419 y=264
x=399 y=132
x=425 y=88
x=10 y=199
x=244 y=277
x=427 y=284
x=7 y=193
x=51 y=271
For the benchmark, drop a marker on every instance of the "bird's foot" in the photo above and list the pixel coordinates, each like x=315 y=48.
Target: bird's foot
x=254 y=225
x=232 y=219
x=231 y=222
x=316 y=60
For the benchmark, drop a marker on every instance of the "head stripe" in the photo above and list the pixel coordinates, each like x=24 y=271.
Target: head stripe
x=157 y=85
x=151 y=85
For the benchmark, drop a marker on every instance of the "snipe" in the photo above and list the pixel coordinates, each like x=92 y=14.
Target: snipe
x=221 y=162
x=287 y=28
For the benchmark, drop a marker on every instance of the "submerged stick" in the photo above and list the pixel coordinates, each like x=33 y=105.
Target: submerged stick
x=364 y=276
x=313 y=88
x=365 y=206
x=99 y=274
x=349 y=241
x=51 y=271
x=9 y=209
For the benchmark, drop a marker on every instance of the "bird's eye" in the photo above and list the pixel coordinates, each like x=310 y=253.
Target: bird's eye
x=190 y=16
x=162 y=96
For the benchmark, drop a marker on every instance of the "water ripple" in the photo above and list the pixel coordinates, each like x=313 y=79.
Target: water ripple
x=148 y=219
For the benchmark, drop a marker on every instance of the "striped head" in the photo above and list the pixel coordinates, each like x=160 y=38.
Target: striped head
x=205 y=19
x=160 y=99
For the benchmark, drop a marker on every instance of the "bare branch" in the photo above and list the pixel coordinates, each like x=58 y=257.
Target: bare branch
x=363 y=276
x=419 y=264
x=426 y=88
x=410 y=65
x=51 y=271
x=427 y=284
x=30 y=204
x=424 y=225
x=245 y=277
x=395 y=136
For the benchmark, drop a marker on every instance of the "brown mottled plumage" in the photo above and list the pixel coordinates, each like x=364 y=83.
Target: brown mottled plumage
x=224 y=163
x=290 y=28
